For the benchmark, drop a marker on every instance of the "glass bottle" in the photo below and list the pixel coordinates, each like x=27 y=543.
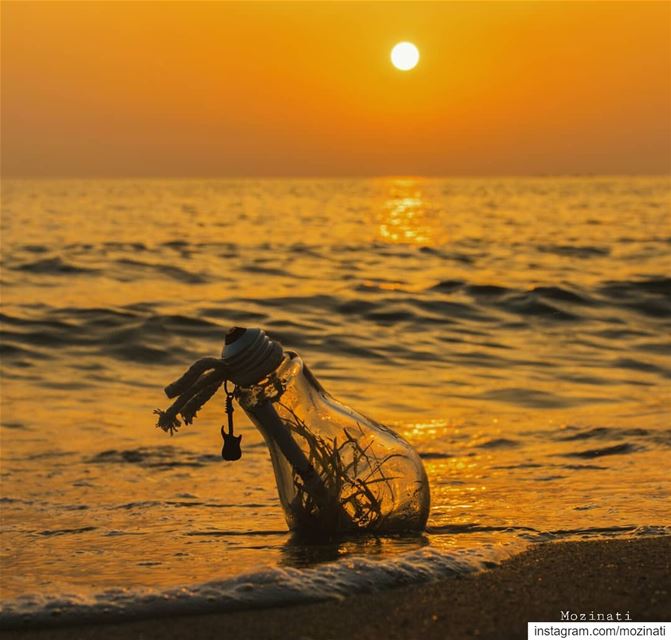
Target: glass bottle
x=336 y=470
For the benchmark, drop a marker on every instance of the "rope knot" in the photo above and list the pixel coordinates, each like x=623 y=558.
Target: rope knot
x=193 y=389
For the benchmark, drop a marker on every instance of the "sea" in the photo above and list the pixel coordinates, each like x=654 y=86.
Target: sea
x=516 y=331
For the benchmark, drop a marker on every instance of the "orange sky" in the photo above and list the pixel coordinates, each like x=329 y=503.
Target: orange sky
x=278 y=88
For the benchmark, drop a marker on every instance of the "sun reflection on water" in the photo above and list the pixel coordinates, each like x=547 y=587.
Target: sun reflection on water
x=406 y=216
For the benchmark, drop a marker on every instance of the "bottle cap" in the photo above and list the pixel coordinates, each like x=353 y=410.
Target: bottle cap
x=250 y=355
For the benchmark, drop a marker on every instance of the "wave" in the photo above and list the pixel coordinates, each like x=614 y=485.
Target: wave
x=53 y=266
x=285 y=586
x=266 y=588
x=573 y=251
x=573 y=433
x=615 y=450
x=164 y=457
x=457 y=323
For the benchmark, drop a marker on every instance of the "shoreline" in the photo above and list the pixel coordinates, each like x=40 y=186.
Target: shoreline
x=603 y=576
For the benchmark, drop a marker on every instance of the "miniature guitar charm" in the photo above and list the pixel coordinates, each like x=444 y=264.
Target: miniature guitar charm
x=231 y=449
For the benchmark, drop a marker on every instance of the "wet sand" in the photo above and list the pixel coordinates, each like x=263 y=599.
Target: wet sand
x=602 y=576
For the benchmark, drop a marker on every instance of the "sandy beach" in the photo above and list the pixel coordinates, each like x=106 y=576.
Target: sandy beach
x=601 y=576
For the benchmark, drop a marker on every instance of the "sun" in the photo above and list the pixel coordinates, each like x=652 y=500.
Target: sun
x=405 y=56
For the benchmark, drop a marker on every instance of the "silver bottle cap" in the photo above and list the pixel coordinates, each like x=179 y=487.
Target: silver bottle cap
x=250 y=355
